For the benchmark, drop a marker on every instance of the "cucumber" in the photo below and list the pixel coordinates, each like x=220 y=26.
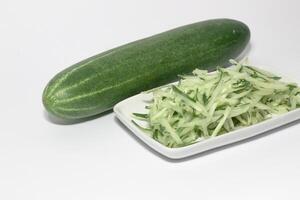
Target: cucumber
x=96 y=84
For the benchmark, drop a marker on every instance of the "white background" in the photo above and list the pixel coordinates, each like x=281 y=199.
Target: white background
x=100 y=159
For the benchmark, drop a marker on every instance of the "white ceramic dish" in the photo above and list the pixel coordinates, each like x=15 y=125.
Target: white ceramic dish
x=136 y=104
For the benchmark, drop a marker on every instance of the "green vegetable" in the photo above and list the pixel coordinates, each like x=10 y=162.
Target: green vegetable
x=205 y=105
x=96 y=84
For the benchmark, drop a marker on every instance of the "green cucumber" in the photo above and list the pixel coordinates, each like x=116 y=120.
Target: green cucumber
x=96 y=84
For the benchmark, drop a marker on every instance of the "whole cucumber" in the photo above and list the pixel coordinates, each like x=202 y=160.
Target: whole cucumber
x=96 y=84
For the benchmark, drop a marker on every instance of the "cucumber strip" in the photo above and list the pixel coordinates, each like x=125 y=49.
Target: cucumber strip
x=230 y=122
x=189 y=100
x=140 y=116
x=219 y=126
x=241 y=120
x=239 y=110
x=158 y=114
x=264 y=73
x=172 y=132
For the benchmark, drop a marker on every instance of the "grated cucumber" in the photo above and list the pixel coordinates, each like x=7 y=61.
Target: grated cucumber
x=205 y=105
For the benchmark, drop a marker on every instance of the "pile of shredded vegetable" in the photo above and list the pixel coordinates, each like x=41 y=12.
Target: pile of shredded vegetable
x=204 y=105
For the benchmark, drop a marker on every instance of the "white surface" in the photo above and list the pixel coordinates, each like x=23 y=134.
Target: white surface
x=99 y=159
x=137 y=103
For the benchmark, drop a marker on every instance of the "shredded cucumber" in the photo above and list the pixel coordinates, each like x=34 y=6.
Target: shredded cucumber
x=205 y=105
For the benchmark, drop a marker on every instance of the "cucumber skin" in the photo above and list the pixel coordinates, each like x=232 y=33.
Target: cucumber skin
x=96 y=84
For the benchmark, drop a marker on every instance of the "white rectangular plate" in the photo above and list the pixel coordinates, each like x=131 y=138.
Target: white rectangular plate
x=137 y=103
